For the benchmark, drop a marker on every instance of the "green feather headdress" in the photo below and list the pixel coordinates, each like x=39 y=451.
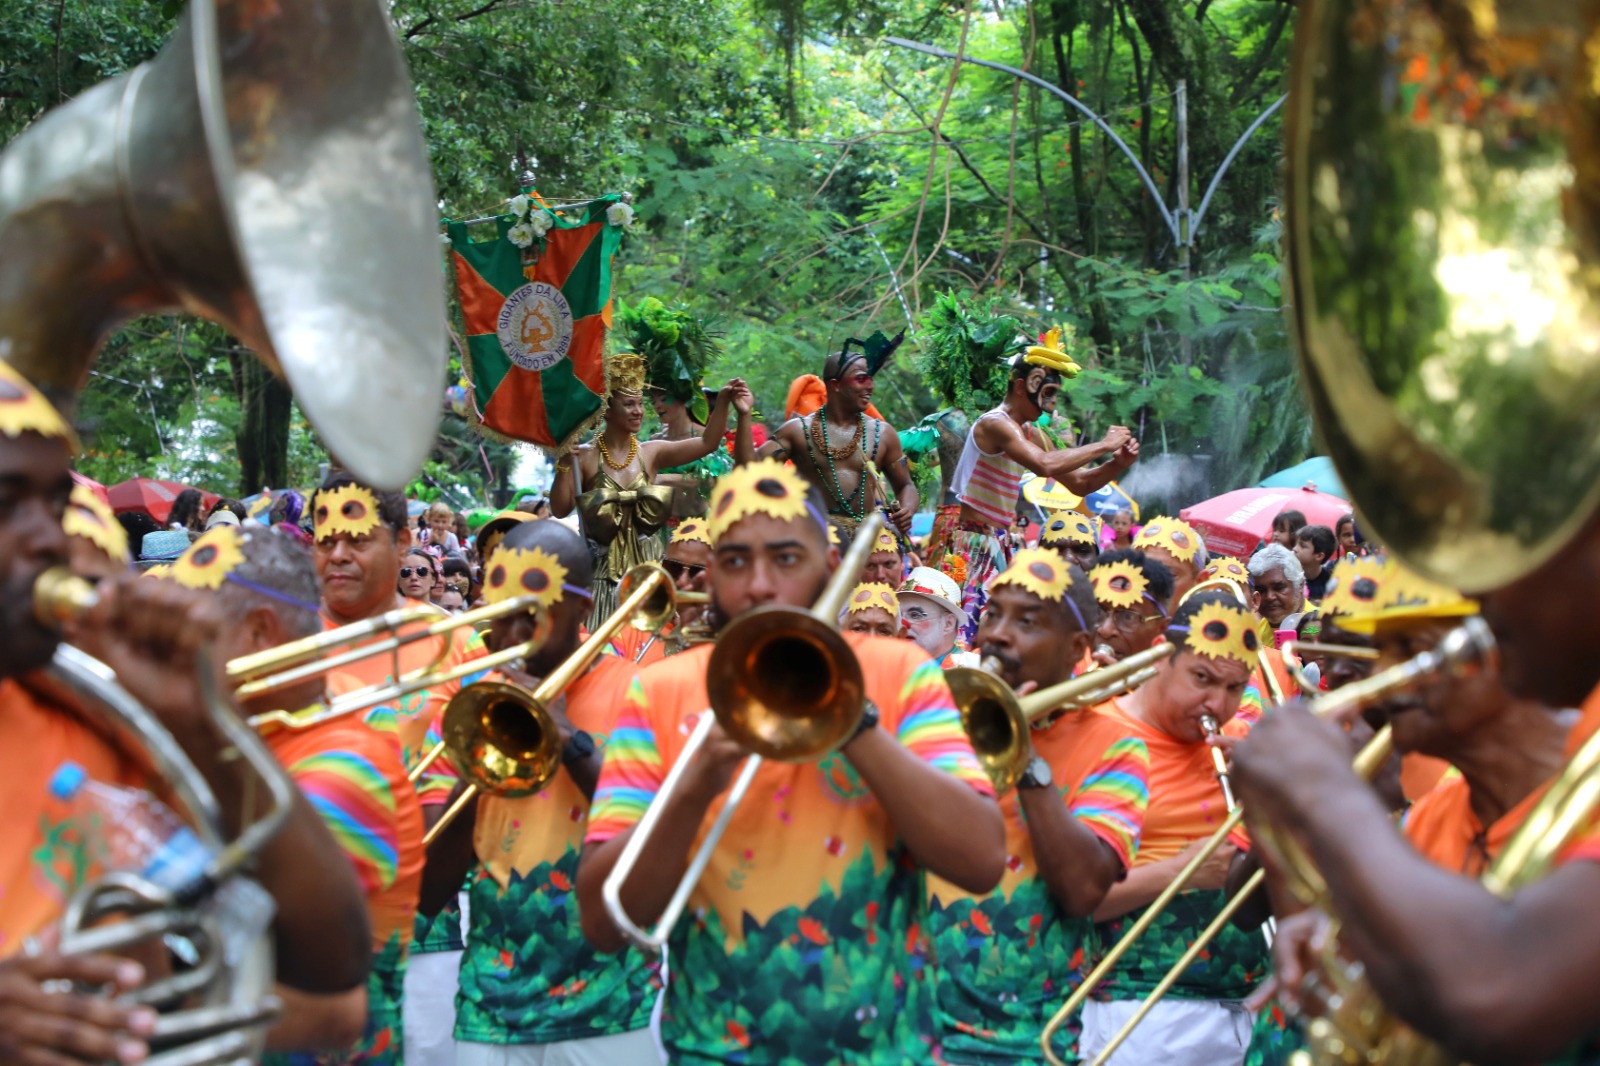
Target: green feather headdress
x=677 y=348
x=966 y=350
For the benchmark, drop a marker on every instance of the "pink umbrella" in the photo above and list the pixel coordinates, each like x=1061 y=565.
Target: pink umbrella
x=93 y=486
x=152 y=496
x=1235 y=523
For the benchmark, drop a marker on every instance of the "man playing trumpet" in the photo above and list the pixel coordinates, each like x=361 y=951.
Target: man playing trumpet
x=804 y=945
x=1072 y=829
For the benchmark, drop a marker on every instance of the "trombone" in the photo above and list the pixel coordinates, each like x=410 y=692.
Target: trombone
x=301 y=660
x=996 y=720
x=1468 y=645
x=502 y=736
x=786 y=685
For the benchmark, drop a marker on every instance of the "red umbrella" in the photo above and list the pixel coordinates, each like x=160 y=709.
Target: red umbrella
x=92 y=485
x=1236 y=522
x=151 y=496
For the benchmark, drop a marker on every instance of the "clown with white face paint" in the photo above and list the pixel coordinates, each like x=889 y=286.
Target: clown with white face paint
x=931 y=615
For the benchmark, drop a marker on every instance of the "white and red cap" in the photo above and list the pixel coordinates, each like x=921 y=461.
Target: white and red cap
x=935 y=587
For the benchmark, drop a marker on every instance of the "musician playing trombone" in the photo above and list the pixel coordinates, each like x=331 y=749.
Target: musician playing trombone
x=1495 y=980
x=1179 y=714
x=265 y=587
x=802 y=944
x=1072 y=829
x=149 y=632
x=531 y=985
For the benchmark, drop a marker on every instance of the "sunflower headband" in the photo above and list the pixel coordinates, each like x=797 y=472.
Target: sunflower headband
x=23 y=409
x=213 y=560
x=351 y=509
x=1043 y=573
x=1226 y=569
x=691 y=529
x=1171 y=535
x=1374 y=589
x=886 y=542
x=1120 y=584
x=1221 y=631
x=528 y=572
x=1070 y=527
x=762 y=487
x=1050 y=353
x=88 y=517
x=872 y=594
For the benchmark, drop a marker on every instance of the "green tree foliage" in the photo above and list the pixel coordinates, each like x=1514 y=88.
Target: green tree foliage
x=800 y=181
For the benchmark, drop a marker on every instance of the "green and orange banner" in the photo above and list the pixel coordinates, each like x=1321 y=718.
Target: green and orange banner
x=536 y=317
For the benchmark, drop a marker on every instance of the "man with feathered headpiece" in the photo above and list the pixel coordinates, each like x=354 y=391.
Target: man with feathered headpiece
x=837 y=446
x=975 y=357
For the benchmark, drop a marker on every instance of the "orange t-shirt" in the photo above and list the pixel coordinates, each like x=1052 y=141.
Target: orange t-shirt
x=1587 y=725
x=46 y=852
x=1442 y=827
x=1186 y=801
x=628 y=642
x=1419 y=774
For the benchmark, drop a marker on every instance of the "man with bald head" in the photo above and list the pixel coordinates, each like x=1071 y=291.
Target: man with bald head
x=532 y=988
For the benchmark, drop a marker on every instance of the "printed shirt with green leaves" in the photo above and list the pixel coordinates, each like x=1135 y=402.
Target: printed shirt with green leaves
x=1004 y=961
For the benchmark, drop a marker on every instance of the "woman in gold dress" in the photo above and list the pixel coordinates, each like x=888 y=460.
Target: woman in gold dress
x=620 y=506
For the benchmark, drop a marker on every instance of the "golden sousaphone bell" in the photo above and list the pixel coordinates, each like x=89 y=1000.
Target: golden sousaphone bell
x=265 y=171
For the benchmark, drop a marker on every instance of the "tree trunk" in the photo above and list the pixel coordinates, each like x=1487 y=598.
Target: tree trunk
x=265 y=408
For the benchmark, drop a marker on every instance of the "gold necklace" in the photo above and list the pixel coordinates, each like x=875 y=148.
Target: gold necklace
x=819 y=436
x=633 y=450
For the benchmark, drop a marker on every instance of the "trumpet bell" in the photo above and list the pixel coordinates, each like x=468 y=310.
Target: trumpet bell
x=785 y=684
x=1442 y=201
x=501 y=739
x=657 y=610
x=994 y=723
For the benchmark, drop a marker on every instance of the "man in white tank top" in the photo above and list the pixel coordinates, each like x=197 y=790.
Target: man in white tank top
x=970 y=541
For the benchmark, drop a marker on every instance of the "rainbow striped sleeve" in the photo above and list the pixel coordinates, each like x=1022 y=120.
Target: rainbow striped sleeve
x=1251 y=705
x=930 y=727
x=357 y=801
x=1113 y=796
x=632 y=772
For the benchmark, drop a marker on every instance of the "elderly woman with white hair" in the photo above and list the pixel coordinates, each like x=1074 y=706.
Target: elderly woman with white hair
x=1278 y=581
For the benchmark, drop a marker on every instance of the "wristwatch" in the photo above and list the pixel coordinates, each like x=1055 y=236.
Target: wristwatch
x=1037 y=774
x=869 y=720
x=579 y=747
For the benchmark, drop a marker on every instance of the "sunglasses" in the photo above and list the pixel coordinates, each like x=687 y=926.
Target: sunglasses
x=453 y=587
x=677 y=569
x=407 y=571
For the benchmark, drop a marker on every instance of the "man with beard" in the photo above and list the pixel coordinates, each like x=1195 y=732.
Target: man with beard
x=1446 y=955
x=1134 y=593
x=1072 y=830
x=931 y=615
x=803 y=945
x=837 y=442
x=1195 y=692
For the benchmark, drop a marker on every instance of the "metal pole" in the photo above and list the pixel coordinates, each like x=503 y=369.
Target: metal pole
x=1180 y=101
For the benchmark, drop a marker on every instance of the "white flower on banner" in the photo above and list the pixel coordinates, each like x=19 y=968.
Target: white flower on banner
x=620 y=215
x=444 y=239
x=540 y=222
x=519 y=205
x=521 y=235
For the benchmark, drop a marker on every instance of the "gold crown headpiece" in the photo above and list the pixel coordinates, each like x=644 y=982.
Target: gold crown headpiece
x=625 y=374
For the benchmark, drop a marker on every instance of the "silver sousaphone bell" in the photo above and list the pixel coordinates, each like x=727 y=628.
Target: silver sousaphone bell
x=266 y=171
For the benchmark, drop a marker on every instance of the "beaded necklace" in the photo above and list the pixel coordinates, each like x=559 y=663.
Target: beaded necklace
x=633 y=450
x=860 y=494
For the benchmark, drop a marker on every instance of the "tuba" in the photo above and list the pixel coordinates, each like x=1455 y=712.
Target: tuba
x=236 y=176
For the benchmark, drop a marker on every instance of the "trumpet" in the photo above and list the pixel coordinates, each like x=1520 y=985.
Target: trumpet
x=682 y=598
x=786 y=685
x=1208 y=725
x=1466 y=647
x=996 y=720
x=502 y=736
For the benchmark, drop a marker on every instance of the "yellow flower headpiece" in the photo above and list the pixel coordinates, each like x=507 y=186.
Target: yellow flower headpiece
x=762 y=487
x=1172 y=535
x=1119 y=584
x=88 y=517
x=1039 y=571
x=886 y=542
x=872 y=594
x=1050 y=353
x=1070 y=527
x=625 y=374
x=1223 y=631
x=1225 y=568
x=1371 y=591
x=23 y=409
x=691 y=529
x=209 y=560
x=159 y=570
x=833 y=535
x=524 y=572
x=351 y=509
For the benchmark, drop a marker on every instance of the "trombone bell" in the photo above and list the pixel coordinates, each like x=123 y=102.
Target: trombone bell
x=502 y=739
